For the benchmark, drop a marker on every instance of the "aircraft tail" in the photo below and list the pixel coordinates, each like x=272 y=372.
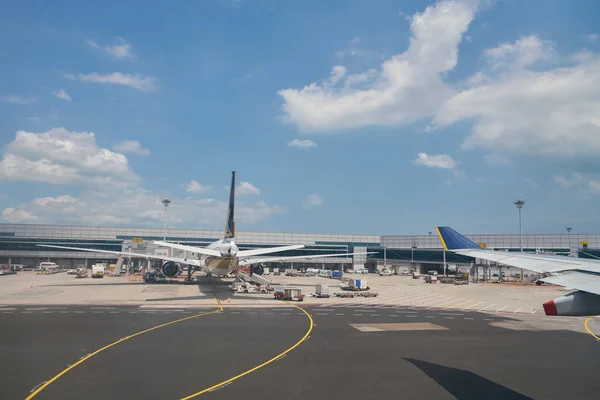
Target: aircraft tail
x=453 y=240
x=230 y=224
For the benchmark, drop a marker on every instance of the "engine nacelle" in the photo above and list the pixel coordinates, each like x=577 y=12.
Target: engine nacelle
x=574 y=304
x=171 y=269
x=258 y=269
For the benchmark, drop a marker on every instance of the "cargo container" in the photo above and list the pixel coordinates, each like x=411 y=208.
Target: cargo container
x=335 y=274
x=321 y=290
x=354 y=284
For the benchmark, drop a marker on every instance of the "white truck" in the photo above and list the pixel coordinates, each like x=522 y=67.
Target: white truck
x=98 y=271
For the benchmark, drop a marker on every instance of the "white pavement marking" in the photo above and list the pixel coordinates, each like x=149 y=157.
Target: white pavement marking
x=47 y=312
x=326 y=309
x=516 y=311
x=406 y=312
x=429 y=316
x=104 y=308
x=449 y=317
x=534 y=311
x=98 y=312
x=360 y=315
x=26 y=312
x=468 y=318
x=8 y=312
x=285 y=313
x=392 y=315
x=501 y=309
x=488 y=319
x=449 y=313
x=270 y=313
x=489 y=305
x=455 y=303
x=473 y=305
x=340 y=314
x=320 y=313
x=365 y=310
x=411 y=316
x=437 y=302
x=113 y=312
x=235 y=312
x=375 y=315
x=79 y=312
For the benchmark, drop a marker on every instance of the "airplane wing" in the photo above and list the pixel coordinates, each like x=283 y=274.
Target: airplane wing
x=193 y=249
x=268 y=250
x=575 y=280
x=250 y=261
x=459 y=244
x=190 y=261
x=582 y=275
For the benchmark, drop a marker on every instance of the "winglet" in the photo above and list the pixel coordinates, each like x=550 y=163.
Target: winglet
x=453 y=240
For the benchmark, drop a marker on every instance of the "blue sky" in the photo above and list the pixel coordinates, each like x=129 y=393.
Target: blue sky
x=340 y=117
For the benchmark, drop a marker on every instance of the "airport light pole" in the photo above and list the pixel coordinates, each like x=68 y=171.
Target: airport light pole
x=166 y=203
x=520 y=203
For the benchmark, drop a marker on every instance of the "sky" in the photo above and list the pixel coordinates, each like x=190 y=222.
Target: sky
x=387 y=117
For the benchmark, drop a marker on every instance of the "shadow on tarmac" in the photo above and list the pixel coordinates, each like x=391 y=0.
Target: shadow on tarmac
x=465 y=385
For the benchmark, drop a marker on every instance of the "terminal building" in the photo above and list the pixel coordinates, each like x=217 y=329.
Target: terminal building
x=18 y=245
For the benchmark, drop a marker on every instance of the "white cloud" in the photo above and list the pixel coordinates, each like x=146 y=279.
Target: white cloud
x=63 y=157
x=62 y=94
x=131 y=146
x=49 y=201
x=136 y=206
x=519 y=111
x=313 y=200
x=588 y=183
x=302 y=144
x=407 y=87
x=16 y=216
x=593 y=37
x=195 y=187
x=92 y=44
x=246 y=188
x=337 y=73
x=120 y=50
x=353 y=50
x=136 y=81
x=435 y=161
x=108 y=191
x=16 y=99
x=523 y=53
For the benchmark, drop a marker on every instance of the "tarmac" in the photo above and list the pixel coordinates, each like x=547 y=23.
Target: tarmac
x=204 y=340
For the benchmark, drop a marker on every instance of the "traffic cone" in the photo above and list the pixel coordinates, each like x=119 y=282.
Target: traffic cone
x=229 y=300
x=31 y=286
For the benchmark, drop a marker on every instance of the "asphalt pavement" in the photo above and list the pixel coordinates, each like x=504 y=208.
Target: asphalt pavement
x=351 y=353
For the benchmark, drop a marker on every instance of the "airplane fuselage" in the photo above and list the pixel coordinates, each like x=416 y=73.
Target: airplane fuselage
x=220 y=266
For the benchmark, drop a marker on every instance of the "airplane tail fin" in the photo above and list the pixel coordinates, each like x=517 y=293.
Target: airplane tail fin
x=453 y=240
x=230 y=224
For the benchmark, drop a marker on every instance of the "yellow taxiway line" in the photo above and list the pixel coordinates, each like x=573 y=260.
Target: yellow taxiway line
x=47 y=383
x=220 y=384
x=587 y=328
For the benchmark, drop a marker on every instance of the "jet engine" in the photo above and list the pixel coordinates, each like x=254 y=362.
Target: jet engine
x=258 y=269
x=574 y=304
x=171 y=269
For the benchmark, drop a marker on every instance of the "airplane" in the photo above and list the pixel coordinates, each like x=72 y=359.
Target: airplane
x=581 y=275
x=220 y=258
